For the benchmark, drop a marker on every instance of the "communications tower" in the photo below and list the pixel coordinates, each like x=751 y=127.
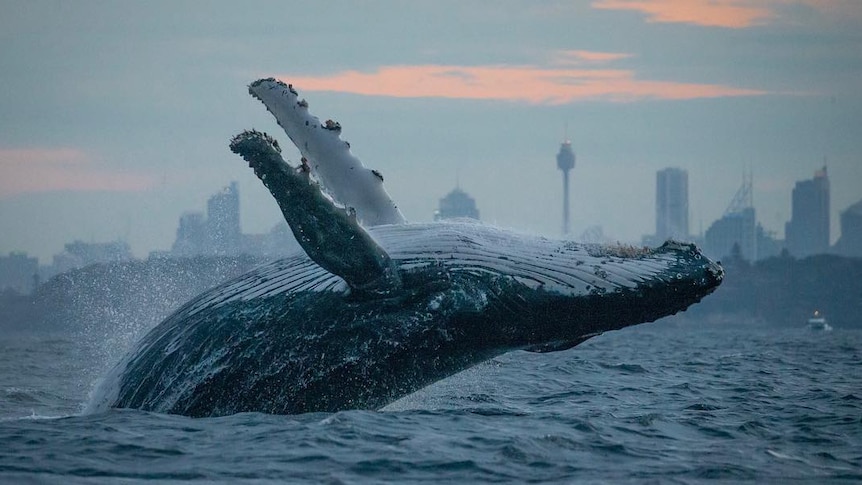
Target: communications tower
x=566 y=162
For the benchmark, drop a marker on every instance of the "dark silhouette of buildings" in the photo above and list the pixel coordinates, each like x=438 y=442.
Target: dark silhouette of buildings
x=850 y=242
x=735 y=228
x=671 y=204
x=22 y=274
x=738 y=230
x=222 y=225
x=191 y=235
x=566 y=162
x=457 y=204
x=807 y=232
x=219 y=232
x=18 y=273
x=216 y=234
x=78 y=254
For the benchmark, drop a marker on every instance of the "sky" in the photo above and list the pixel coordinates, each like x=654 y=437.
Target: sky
x=115 y=116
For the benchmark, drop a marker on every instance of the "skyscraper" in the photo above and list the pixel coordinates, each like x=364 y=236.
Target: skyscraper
x=807 y=232
x=735 y=228
x=566 y=162
x=191 y=235
x=850 y=242
x=738 y=227
x=18 y=272
x=223 y=229
x=671 y=204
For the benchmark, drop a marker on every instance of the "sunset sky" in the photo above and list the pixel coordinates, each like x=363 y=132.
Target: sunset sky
x=115 y=116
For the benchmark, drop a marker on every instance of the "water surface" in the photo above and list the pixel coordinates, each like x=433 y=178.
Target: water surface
x=658 y=403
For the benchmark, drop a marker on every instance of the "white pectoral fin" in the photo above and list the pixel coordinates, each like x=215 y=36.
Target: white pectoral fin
x=342 y=174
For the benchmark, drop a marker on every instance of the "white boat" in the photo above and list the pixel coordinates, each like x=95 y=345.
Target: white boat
x=818 y=322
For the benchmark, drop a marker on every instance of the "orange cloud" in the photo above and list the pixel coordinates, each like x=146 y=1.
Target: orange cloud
x=575 y=57
x=36 y=170
x=735 y=14
x=510 y=83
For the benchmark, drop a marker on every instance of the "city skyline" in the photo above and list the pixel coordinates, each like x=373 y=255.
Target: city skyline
x=115 y=119
x=218 y=231
x=669 y=202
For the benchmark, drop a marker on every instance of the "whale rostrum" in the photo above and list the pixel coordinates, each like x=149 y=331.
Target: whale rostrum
x=374 y=308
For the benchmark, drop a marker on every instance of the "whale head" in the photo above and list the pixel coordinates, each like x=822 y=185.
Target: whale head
x=540 y=294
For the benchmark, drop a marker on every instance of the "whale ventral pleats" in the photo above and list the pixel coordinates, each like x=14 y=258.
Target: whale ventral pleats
x=328 y=233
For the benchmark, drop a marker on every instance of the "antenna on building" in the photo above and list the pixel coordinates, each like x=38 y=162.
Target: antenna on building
x=751 y=185
x=743 y=198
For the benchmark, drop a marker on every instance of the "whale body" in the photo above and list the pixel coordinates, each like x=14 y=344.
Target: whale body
x=373 y=308
x=289 y=338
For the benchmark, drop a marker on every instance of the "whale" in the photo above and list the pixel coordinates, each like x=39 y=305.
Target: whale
x=366 y=313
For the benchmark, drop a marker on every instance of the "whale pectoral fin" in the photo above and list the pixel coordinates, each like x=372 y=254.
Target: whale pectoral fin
x=339 y=171
x=328 y=233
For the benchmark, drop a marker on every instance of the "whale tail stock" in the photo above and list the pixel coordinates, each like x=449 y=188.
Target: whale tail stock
x=328 y=233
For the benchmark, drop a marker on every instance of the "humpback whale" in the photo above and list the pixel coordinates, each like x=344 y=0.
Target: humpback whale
x=373 y=308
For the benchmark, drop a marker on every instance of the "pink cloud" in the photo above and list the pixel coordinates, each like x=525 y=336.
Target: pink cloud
x=36 y=170
x=576 y=57
x=527 y=84
x=734 y=14
x=715 y=13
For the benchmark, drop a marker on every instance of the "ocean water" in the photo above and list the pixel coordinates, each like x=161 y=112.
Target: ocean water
x=668 y=402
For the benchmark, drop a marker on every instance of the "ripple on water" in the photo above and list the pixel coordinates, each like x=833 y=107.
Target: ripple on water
x=652 y=404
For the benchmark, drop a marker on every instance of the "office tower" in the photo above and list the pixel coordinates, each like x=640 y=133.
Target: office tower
x=737 y=227
x=807 y=232
x=223 y=228
x=671 y=204
x=850 y=242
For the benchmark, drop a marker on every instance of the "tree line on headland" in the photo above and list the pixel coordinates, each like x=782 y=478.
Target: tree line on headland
x=786 y=291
